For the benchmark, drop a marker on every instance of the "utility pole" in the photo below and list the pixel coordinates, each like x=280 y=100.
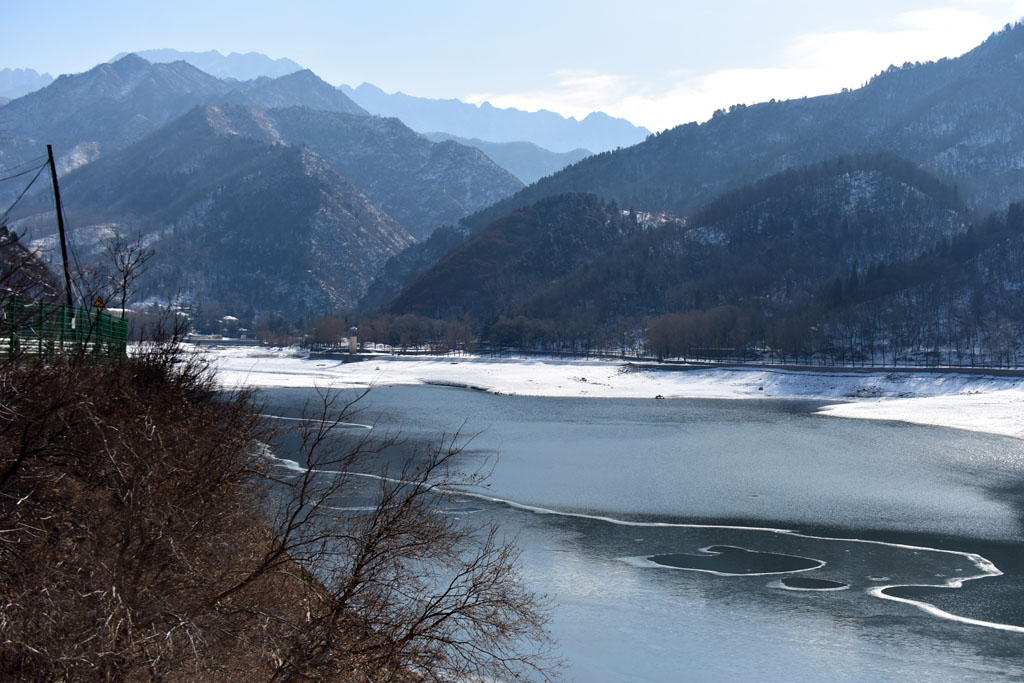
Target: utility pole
x=60 y=225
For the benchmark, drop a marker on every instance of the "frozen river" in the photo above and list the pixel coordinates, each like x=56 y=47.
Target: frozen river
x=749 y=539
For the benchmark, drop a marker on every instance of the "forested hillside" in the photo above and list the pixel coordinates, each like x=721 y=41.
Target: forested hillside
x=251 y=225
x=517 y=257
x=422 y=184
x=770 y=245
x=955 y=124
x=960 y=119
x=858 y=259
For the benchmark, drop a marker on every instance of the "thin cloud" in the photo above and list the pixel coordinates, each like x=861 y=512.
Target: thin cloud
x=571 y=93
x=814 y=64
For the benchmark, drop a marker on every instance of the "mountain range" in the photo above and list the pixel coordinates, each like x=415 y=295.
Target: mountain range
x=112 y=105
x=775 y=242
x=237 y=66
x=17 y=82
x=450 y=119
x=597 y=131
x=244 y=222
x=240 y=67
x=423 y=184
x=884 y=208
x=788 y=220
x=960 y=119
x=527 y=156
x=172 y=153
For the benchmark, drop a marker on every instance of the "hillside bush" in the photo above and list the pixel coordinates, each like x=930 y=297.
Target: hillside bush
x=147 y=532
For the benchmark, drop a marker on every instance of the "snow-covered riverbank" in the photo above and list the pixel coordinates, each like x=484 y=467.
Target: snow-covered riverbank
x=965 y=401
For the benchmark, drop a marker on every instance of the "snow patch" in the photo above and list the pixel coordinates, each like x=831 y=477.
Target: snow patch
x=964 y=401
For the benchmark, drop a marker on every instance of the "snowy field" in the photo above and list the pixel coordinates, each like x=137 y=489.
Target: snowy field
x=964 y=401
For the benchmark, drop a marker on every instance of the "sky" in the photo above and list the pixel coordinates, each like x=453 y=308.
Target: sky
x=656 y=63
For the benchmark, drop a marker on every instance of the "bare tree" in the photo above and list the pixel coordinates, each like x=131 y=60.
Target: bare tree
x=23 y=274
x=407 y=587
x=129 y=259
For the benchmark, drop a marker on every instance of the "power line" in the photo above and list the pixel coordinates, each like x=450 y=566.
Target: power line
x=23 y=164
x=18 y=175
x=7 y=213
x=61 y=215
x=27 y=162
x=73 y=248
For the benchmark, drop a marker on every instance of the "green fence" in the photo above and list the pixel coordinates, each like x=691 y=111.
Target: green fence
x=43 y=328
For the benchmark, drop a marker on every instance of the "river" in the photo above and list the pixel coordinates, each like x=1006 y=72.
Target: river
x=745 y=539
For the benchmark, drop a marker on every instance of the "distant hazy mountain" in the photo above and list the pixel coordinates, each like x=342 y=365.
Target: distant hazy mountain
x=524 y=160
x=241 y=67
x=302 y=89
x=112 y=105
x=597 y=132
x=958 y=118
x=17 y=82
x=251 y=225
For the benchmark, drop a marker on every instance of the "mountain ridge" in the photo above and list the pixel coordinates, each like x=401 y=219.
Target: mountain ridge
x=239 y=66
x=17 y=82
x=597 y=131
x=250 y=224
x=422 y=184
x=930 y=113
x=114 y=104
x=524 y=160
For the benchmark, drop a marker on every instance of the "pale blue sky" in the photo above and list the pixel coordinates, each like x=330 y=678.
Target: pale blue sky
x=656 y=63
